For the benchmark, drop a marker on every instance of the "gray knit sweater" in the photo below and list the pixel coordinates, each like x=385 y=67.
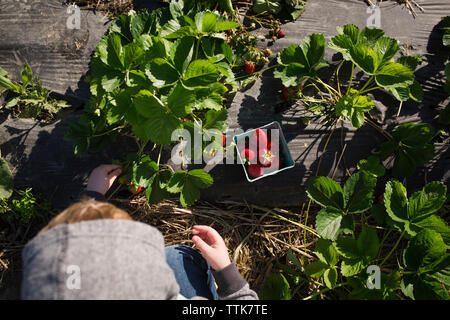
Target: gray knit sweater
x=109 y=259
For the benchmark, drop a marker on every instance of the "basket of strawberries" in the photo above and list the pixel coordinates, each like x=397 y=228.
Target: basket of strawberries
x=263 y=151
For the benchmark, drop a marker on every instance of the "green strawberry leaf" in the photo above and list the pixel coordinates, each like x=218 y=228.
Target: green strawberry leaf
x=358 y=192
x=348 y=248
x=396 y=201
x=386 y=48
x=181 y=100
x=365 y=58
x=351 y=268
x=161 y=73
x=330 y=278
x=144 y=173
x=433 y=222
x=426 y=248
x=429 y=200
x=189 y=185
x=6 y=180
x=394 y=75
x=368 y=244
x=156 y=191
x=200 y=73
x=160 y=124
x=276 y=287
x=328 y=223
x=326 y=252
x=316 y=269
x=325 y=191
x=372 y=165
x=181 y=53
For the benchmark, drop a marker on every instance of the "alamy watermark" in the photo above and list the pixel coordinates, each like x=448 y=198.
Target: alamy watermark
x=74 y=20
x=73 y=281
x=374 y=19
x=374 y=279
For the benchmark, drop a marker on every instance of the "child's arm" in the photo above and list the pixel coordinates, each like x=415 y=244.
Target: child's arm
x=231 y=285
x=100 y=180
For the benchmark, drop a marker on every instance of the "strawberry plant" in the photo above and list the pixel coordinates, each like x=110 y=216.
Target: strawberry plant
x=354 y=234
x=373 y=53
x=18 y=205
x=152 y=74
x=368 y=50
x=29 y=99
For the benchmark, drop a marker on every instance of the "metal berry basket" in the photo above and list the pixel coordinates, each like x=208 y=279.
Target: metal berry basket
x=285 y=158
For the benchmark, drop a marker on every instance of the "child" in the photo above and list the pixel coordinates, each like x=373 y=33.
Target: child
x=94 y=250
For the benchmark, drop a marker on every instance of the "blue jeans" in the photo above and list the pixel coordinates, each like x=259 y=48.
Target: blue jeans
x=192 y=272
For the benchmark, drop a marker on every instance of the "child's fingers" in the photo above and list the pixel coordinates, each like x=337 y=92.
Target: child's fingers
x=201 y=245
x=108 y=168
x=116 y=172
x=209 y=233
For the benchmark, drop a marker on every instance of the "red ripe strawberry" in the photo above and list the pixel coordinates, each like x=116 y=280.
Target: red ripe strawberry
x=138 y=189
x=249 y=67
x=248 y=155
x=259 y=139
x=285 y=93
x=281 y=34
x=265 y=157
x=290 y=92
x=255 y=170
x=381 y=199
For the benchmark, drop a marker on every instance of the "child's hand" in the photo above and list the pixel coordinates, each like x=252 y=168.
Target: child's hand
x=102 y=178
x=212 y=246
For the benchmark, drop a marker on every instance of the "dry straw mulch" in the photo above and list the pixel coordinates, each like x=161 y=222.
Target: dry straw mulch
x=114 y=7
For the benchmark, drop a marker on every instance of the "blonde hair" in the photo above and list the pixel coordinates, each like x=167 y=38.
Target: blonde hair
x=87 y=209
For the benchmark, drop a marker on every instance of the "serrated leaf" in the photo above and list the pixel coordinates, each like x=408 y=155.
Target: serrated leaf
x=189 y=185
x=416 y=92
x=26 y=75
x=394 y=75
x=424 y=249
x=325 y=191
x=330 y=278
x=350 y=268
x=326 y=252
x=328 y=223
x=316 y=269
x=370 y=35
x=156 y=191
x=412 y=62
x=372 y=165
x=434 y=223
x=386 y=48
x=276 y=287
x=144 y=173
x=424 y=203
x=160 y=124
x=216 y=119
x=348 y=248
x=396 y=202
x=182 y=52
x=368 y=244
x=6 y=180
x=200 y=73
x=181 y=100
x=358 y=191
x=365 y=58
x=161 y=72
